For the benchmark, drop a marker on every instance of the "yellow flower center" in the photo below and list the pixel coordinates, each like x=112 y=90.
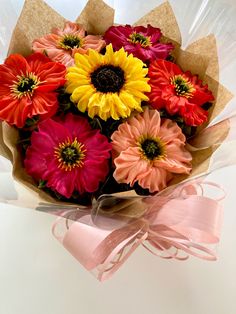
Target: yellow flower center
x=151 y=148
x=137 y=38
x=183 y=87
x=70 y=41
x=70 y=154
x=25 y=85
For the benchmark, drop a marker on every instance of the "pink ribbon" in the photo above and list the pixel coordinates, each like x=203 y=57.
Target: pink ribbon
x=176 y=225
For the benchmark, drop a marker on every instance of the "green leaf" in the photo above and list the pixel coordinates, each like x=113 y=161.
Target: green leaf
x=42 y=184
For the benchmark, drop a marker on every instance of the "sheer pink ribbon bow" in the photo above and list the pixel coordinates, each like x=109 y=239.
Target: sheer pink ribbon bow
x=171 y=226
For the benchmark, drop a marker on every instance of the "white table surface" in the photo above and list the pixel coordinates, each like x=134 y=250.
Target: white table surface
x=37 y=276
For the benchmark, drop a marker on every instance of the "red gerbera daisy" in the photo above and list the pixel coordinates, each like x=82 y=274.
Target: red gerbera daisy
x=27 y=87
x=178 y=92
x=142 y=42
x=68 y=155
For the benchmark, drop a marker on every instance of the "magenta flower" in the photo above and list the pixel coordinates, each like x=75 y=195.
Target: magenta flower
x=68 y=155
x=142 y=42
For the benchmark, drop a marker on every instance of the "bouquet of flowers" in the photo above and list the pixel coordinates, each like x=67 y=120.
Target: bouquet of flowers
x=108 y=127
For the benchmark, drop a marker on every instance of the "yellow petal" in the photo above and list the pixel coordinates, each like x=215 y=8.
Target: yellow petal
x=79 y=92
x=95 y=58
x=82 y=61
x=137 y=94
x=140 y=85
x=83 y=101
x=109 y=55
x=129 y=100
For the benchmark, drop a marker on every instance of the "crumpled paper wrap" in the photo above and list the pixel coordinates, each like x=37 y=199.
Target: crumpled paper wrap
x=200 y=58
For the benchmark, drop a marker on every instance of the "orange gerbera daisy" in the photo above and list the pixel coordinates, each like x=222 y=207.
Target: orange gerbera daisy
x=28 y=88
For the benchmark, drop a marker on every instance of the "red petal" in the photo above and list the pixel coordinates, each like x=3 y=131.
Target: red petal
x=5 y=90
x=7 y=75
x=36 y=60
x=17 y=64
x=162 y=70
x=15 y=111
x=175 y=104
x=44 y=104
x=193 y=114
x=201 y=96
x=52 y=73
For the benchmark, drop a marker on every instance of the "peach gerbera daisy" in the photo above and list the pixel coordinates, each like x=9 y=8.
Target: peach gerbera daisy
x=149 y=151
x=61 y=45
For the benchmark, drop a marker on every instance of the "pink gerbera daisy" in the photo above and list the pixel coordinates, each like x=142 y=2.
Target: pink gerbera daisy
x=68 y=155
x=142 y=42
x=62 y=45
x=149 y=151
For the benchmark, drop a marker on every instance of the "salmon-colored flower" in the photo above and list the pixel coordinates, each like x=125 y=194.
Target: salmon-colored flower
x=68 y=155
x=149 y=151
x=28 y=88
x=178 y=92
x=61 y=45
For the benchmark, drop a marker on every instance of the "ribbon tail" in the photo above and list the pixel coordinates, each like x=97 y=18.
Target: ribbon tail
x=99 y=250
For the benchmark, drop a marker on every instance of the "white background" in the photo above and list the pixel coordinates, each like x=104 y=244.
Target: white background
x=37 y=276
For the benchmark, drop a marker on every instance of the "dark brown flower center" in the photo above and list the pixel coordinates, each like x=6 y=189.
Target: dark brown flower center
x=70 y=154
x=151 y=149
x=182 y=86
x=108 y=79
x=70 y=41
x=26 y=84
x=137 y=38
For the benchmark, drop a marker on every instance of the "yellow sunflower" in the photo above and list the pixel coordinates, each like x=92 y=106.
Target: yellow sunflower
x=110 y=85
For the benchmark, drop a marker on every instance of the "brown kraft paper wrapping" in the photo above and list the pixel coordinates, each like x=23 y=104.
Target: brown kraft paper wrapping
x=200 y=57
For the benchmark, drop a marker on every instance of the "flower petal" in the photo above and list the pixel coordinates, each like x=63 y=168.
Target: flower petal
x=134 y=164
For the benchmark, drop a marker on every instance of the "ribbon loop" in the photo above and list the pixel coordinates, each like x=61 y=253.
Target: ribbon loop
x=178 y=224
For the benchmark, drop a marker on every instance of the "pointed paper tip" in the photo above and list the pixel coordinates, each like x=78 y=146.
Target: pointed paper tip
x=96 y=17
x=207 y=46
x=44 y=18
x=163 y=17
